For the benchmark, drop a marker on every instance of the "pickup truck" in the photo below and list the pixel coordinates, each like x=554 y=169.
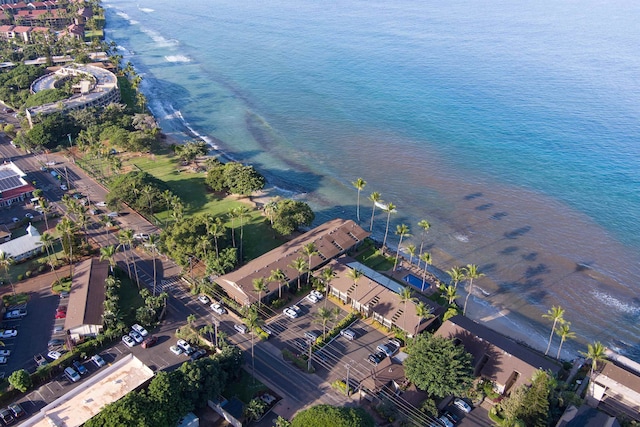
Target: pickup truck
x=40 y=360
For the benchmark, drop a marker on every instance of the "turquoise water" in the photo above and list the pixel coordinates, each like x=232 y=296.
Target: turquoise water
x=513 y=129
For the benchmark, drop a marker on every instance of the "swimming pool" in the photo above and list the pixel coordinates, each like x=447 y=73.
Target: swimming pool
x=415 y=281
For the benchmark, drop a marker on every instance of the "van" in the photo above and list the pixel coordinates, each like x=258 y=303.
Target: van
x=72 y=374
x=54 y=173
x=113 y=214
x=311 y=336
x=240 y=328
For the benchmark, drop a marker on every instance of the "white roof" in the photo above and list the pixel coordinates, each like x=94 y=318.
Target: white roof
x=22 y=245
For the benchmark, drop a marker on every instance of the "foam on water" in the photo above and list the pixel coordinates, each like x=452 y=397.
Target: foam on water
x=615 y=303
x=177 y=58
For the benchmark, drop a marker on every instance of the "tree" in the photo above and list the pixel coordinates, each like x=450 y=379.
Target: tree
x=242 y=213
x=359 y=184
x=47 y=240
x=438 y=366
x=426 y=257
x=323 y=316
x=253 y=320
x=278 y=276
x=451 y=293
x=529 y=405
x=5 y=262
x=20 y=380
x=411 y=249
x=152 y=243
x=470 y=272
x=406 y=295
x=260 y=285
x=291 y=214
x=457 y=275
x=254 y=409
x=389 y=209
x=554 y=314
x=376 y=198
x=423 y=311
x=125 y=237
x=108 y=253
x=67 y=230
x=565 y=332
x=355 y=275
x=402 y=231
x=309 y=250
x=425 y=225
x=596 y=353
x=327 y=275
x=300 y=265
x=327 y=415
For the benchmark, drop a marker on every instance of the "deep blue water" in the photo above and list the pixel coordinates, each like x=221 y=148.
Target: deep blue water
x=512 y=127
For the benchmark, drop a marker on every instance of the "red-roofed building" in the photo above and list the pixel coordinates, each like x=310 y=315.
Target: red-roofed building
x=13 y=187
x=36 y=18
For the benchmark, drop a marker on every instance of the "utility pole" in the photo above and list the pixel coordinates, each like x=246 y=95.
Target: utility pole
x=216 y=324
x=310 y=343
x=66 y=174
x=348 y=366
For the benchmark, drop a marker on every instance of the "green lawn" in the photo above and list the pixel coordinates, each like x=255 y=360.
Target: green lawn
x=130 y=298
x=245 y=389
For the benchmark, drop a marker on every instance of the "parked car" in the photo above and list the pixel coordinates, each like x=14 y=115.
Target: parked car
x=64 y=294
x=453 y=417
x=7 y=417
x=311 y=336
x=175 y=350
x=292 y=311
x=128 y=341
x=101 y=204
x=15 y=314
x=139 y=329
x=54 y=174
x=141 y=236
x=186 y=347
x=60 y=314
x=218 y=308
x=149 y=341
x=54 y=355
x=63 y=187
x=80 y=367
x=3 y=360
x=98 y=360
x=72 y=374
x=8 y=333
x=40 y=360
x=198 y=354
x=136 y=336
x=5 y=353
x=113 y=214
x=462 y=405
x=446 y=422
x=376 y=358
x=17 y=410
x=389 y=348
x=312 y=298
x=204 y=299
x=55 y=343
x=240 y=328
x=317 y=294
x=348 y=334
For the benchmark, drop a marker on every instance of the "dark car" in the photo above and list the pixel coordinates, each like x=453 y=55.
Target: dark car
x=17 y=410
x=80 y=368
x=55 y=342
x=149 y=341
x=198 y=354
x=376 y=358
x=7 y=417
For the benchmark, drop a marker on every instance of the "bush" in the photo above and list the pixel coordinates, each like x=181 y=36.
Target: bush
x=340 y=386
x=20 y=380
x=20 y=277
x=41 y=269
x=300 y=362
x=28 y=274
x=278 y=303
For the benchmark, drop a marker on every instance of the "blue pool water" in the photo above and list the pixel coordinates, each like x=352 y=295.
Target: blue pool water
x=415 y=281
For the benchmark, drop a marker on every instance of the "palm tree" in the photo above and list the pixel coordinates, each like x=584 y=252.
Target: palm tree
x=122 y=243
x=260 y=285
x=204 y=243
x=376 y=198
x=424 y=224
x=108 y=253
x=67 y=229
x=402 y=231
x=457 y=275
x=327 y=274
x=359 y=184
x=596 y=353
x=277 y=275
x=451 y=293
x=556 y=315
x=5 y=262
x=355 y=275
x=471 y=272
x=253 y=321
x=309 y=250
x=44 y=206
x=47 y=240
x=232 y=214
x=565 y=332
x=423 y=311
x=426 y=257
x=389 y=209
x=216 y=229
x=126 y=238
x=242 y=213
x=323 y=316
x=406 y=295
x=300 y=265
x=411 y=249
x=153 y=244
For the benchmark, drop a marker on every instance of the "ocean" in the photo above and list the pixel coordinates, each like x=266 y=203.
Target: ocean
x=513 y=128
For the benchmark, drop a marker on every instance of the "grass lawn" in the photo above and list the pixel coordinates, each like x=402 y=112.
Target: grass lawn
x=373 y=259
x=245 y=388
x=130 y=298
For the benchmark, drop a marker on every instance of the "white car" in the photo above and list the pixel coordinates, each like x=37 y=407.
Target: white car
x=54 y=355
x=204 y=299
x=218 y=308
x=312 y=298
x=141 y=236
x=290 y=312
x=128 y=341
x=5 y=353
x=445 y=421
x=63 y=187
x=186 y=347
x=28 y=215
x=139 y=329
x=3 y=360
x=175 y=350
x=240 y=328
x=136 y=337
x=98 y=360
x=15 y=314
x=8 y=333
x=101 y=204
x=317 y=294
x=462 y=405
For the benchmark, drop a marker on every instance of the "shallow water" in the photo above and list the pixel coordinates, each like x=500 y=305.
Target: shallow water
x=512 y=129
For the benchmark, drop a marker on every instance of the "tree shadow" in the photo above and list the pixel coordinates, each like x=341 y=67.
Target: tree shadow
x=514 y=234
x=537 y=270
x=509 y=250
x=498 y=216
x=473 y=196
x=484 y=207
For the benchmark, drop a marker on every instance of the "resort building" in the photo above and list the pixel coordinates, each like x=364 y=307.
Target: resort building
x=24 y=247
x=616 y=391
x=86 y=300
x=13 y=187
x=496 y=358
x=378 y=296
x=93 y=87
x=331 y=239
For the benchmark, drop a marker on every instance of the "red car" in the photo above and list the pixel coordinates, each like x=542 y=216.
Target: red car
x=150 y=341
x=61 y=314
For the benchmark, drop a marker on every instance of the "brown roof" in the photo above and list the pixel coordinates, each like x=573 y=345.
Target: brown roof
x=239 y=283
x=5 y=28
x=21 y=29
x=86 y=301
x=622 y=376
x=495 y=356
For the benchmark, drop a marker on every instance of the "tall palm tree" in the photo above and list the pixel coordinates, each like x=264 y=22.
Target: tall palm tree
x=596 y=353
x=451 y=293
x=278 y=276
x=216 y=229
x=45 y=208
x=424 y=224
x=204 y=243
x=355 y=275
x=242 y=213
x=260 y=285
x=253 y=321
x=423 y=311
x=375 y=197
x=457 y=275
x=232 y=214
x=471 y=272
x=406 y=295
x=411 y=249
x=359 y=184
x=555 y=314
x=67 y=230
x=47 y=240
x=402 y=231
x=108 y=253
x=5 y=262
x=327 y=274
x=122 y=243
x=153 y=244
x=323 y=316
x=389 y=209
x=300 y=265
x=126 y=238
x=565 y=332
x=309 y=250
x=426 y=257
